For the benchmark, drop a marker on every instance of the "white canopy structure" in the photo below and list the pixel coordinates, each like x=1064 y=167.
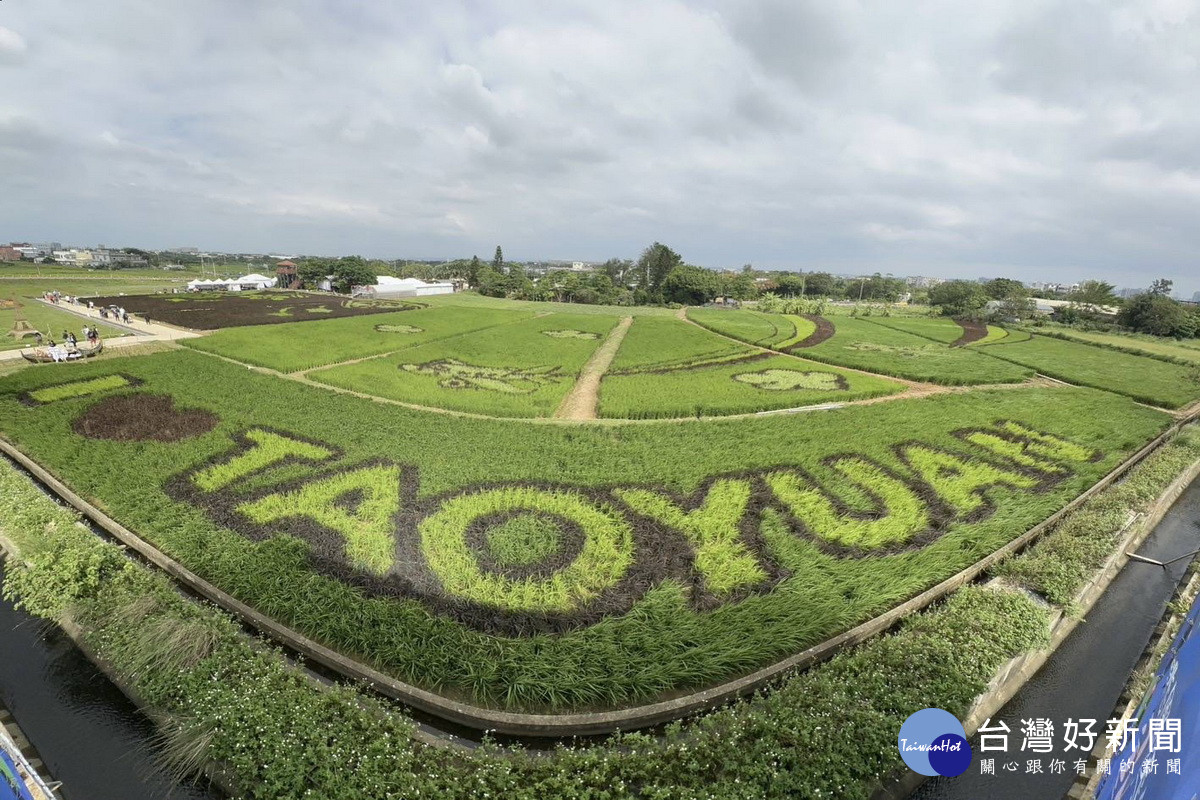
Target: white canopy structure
x=387 y=286
x=246 y=282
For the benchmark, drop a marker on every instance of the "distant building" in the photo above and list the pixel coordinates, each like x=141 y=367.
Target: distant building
x=10 y=254
x=387 y=286
x=923 y=282
x=285 y=274
x=1196 y=297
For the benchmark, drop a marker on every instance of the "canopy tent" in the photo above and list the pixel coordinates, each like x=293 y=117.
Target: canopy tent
x=387 y=286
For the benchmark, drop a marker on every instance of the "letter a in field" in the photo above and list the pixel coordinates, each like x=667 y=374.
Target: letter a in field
x=1028 y=447
x=901 y=513
x=267 y=449
x=367 y=528
x=713 y=530
x=960 y=482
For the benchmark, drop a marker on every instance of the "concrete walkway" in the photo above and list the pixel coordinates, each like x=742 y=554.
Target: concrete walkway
x=155 y=331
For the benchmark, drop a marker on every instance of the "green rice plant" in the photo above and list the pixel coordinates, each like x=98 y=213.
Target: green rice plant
x=783 y=380
x=367 y=529
x=384 y=328
x=900 y=512
x=959 y=481
x=290 y=347
x=1031 y=448
x=736 y=387
x=523 y=540
x=515 y=371
x=606 y=554
x=995 y=333
x=713 y=529
x=803 y=327
x=663 y=643
x=1013 y=336
x=85 y=388
x=938 y=329
x=571 y=334
x=268 y=448
x=1165 y=349
x=876 y=347
x=752 y=327
x=655 y=344
x=1142 y=378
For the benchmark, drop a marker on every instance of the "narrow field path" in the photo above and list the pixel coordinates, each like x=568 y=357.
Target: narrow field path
x=582 y=401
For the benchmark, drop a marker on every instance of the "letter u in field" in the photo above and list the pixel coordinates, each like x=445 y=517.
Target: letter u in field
x=899 y=514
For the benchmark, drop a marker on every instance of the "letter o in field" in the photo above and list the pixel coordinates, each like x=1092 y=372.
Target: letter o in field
x=605 y=557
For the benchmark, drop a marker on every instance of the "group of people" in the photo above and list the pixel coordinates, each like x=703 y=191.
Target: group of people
x=117 y=313
x=70 y=341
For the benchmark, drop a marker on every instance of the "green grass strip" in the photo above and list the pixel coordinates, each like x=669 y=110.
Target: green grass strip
x=66 y=391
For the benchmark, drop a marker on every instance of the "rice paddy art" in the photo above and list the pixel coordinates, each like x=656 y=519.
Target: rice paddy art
x=455 y=374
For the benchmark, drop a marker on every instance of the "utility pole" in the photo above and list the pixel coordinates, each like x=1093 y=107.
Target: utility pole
x=862 y=284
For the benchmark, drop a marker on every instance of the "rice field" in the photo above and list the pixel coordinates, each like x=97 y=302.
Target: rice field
x=602 y=565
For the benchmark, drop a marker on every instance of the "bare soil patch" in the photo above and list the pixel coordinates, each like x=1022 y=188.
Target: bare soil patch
x=208 y=311
x=973 y=331
x=142 y=418
x=824 y=330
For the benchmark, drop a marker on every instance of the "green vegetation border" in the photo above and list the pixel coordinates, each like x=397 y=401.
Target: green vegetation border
x=575 y=724
x=1133 y=351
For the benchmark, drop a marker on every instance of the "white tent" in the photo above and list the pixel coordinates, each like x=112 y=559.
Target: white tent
x=254 y=281
x=387 y=286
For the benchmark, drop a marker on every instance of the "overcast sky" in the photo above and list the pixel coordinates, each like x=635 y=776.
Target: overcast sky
x=1033 y=139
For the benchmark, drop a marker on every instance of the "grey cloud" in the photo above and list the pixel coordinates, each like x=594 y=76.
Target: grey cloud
x=1050 y=140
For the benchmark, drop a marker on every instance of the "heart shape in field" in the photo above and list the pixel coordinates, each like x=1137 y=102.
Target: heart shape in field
x=142 y=418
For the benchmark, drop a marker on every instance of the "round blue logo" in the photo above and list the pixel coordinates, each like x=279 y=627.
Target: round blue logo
x=933 y=742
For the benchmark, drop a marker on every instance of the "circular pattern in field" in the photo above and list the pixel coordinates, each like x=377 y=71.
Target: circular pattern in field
x=142 y=418
x=594 y=552
x=783 y=380
x=523 y=540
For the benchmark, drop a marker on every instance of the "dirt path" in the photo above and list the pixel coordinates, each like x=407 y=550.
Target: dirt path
x=584 y=397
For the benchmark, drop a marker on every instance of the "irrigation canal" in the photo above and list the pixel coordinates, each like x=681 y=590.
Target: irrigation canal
x=91 y=737
x=1083 y=679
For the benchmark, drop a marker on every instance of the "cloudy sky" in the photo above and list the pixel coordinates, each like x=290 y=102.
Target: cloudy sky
x=1032 y=138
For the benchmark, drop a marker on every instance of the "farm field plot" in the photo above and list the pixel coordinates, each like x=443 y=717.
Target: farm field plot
x=304 y=345
x=740 y=387
x=655 y=344
x=1140 y=377
x=873 y=347
x=50 y=321
x=555 y=567
x=777 y=331
x=521 y=370
x=941 y=329
x=471 y=299
x=213 y=310
x=1168 y=349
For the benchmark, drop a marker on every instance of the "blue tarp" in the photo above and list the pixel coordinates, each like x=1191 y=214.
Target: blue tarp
x=11 y=787
x=1176 y=695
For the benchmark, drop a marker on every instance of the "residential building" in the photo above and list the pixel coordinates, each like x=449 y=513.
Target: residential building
x=9 y=253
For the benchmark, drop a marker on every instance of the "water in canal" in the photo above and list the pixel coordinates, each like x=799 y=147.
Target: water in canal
x=91 y=737
x=1083 y=679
